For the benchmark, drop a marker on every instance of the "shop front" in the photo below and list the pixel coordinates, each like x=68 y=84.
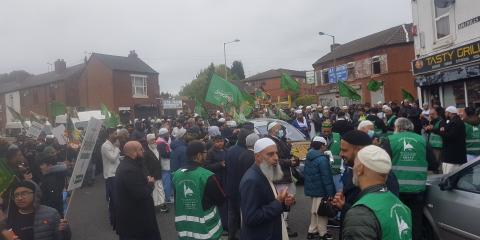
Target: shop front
x=451 y=77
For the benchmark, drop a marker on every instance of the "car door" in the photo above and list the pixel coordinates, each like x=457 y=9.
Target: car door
x=456 y=211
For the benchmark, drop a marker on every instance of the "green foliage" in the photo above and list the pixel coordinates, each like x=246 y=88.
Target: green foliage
x=197 y=88
x=306 y=100
x=237 y=69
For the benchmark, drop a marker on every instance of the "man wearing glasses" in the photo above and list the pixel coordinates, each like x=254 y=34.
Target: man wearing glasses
x=28 y=220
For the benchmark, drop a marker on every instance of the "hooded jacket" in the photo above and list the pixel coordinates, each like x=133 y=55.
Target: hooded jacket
x=178 y=156
x=318 y=176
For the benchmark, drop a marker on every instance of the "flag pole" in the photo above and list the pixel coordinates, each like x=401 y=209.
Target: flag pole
x=289 y=101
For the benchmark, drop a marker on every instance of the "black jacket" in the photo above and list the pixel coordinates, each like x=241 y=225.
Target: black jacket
x=152 y=164
x=52 y=187
x=379 y=124
x=235 y=169
x=454 y=149
x=134 y=210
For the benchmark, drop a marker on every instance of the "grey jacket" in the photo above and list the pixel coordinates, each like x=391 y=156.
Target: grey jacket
x=45 y=225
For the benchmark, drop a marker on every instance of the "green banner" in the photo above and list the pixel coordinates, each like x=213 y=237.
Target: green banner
x=6 y=176
x=288 y=84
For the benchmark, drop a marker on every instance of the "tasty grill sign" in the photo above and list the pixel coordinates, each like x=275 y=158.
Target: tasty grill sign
x=453 y=57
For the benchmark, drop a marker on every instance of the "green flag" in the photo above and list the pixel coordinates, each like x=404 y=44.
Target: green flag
x=374 y=85
x=111 y=119
x=199 y=109
x=56 y=108
x=6 y=176
x=288 y=84
x=221 y=92
x=407 y=96
x=282 y=115
x=347 y=91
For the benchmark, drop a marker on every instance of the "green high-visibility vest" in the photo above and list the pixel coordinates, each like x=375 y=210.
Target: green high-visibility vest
x=191 y=221
x=473 y=139
x=391 y=122
x=435 y=140
x=409 y=161
x=335 y=150
x=394 y=217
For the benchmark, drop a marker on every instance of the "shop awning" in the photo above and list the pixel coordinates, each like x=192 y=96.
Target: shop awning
x=448 y=75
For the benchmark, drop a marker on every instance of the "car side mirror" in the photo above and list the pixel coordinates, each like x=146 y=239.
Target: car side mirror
x=446 y=184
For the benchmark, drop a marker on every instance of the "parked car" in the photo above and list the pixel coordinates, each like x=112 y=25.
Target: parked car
x=452 y=205
x=292 y=135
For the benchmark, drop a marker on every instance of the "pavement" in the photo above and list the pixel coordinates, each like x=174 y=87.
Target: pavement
x=88 y=215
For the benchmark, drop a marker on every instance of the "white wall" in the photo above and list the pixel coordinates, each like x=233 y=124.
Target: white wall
x=12 y=100
x=423 y=13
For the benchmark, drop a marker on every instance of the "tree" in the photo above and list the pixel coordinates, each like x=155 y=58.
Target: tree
x=237 y=69
x=306 y=100
x=17 y=75
x=197 y=88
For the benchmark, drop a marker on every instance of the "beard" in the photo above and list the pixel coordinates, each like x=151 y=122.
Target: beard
x=272 y=173
x=355 y=179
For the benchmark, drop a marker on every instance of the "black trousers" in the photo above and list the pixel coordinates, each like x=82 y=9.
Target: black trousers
x=415 y=201
x=109 y=187
x=233 y=220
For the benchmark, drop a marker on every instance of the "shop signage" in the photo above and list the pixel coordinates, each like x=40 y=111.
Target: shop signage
x=310 y=75
x=341 y=74
x=454 y=57
x=172 y=104
x=469 y=22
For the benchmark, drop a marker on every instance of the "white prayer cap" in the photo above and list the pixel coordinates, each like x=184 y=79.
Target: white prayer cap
x=300 y=107
x=292 y=109
x=309 y=107
x=319 y=139
x=231 y=123
x=218 y=111
x=375 y=159
x=379 y=102
x=180 y=132
x=158 y=120
x=298 y=111
x=452 y=109
x=387 y=108
x=50 y=136
x=162 y=131
x=150 y=137
x=221 y=120
x=262 y=143
x=364 y=123
x=271 y=125
x=195 y=115
x=326 y=108
x=344 y=107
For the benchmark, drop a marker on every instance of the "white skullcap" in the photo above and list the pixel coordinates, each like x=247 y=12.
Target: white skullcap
x=150 y=137
x=298 y=111
x=271 y=125
x=195 y=115
x=326 y=108
x=158 y=121
x=231 y=123
x=292 y=109
x=218 y=111
x=379 y=102
x=375 y=159
x=50 y=136
x=364 y=123
x=162 y=131
x=262 y=143
x=452 y=109
x=300 y=107
x=344 y=107
x=387 y=108
x=309 y=107
x=181 y=132
x=221 y=120
x=320 y=139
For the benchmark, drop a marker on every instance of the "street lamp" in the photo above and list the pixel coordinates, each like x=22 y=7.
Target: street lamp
x=225 y=54
x=334 y=55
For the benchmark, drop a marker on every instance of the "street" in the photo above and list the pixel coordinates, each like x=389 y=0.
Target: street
x=88 y=215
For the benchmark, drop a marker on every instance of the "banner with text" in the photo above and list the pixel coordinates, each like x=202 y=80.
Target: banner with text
x=35 y=130
x=85 y=154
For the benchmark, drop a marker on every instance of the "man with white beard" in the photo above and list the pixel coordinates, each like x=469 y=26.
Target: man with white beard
x=260 y=204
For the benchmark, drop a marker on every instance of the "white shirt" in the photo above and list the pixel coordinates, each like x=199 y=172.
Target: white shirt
x=110 y=158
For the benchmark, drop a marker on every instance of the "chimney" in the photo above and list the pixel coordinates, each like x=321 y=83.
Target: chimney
x=60 y=66
x=334 y=46
x=133 y=54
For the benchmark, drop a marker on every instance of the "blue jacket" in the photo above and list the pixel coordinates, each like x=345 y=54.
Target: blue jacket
x=261 y=212
x=234 y=175
x=178 y=156
x=318 y=176
x=304 y=130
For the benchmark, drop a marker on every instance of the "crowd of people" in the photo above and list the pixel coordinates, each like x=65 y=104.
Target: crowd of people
x=365 y=172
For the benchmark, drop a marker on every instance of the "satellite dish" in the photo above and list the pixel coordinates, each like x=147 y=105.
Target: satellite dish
x=443 y=3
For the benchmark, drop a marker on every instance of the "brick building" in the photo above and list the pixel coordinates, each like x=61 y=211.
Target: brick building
x=126 y=85
x=383 y=56
x=269 y=81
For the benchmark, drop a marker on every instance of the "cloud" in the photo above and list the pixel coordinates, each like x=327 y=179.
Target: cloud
x=180 y=37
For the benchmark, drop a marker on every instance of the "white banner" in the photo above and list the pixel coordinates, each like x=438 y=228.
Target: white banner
x=310 y=77
x=59 y=133
x=35 y=130
x=85 y=153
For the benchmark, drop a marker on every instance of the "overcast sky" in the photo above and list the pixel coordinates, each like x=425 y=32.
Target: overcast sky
x=179 y=37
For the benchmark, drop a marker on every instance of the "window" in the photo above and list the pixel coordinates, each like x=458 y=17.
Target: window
x=325 y=76
x=473 y=93
x=351 y=70
x=469 y=180
x=139 y=85
x=454 y=94
x=442 y=22
x=376 y=65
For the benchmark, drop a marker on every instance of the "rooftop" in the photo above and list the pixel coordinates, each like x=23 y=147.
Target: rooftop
x=274 y=73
